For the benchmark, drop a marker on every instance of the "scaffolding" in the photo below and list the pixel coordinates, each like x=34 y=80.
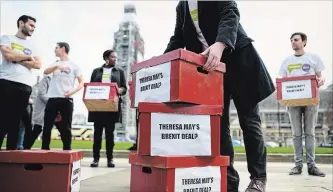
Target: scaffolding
x=129 y=45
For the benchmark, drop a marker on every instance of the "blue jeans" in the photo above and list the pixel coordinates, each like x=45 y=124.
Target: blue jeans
x=303 y=117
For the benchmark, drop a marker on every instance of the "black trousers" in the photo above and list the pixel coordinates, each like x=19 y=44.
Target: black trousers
x=248 y=115
x=14 y=98
x=37 y=129
x=26 y=121
x=109 y=126
x=65 y=107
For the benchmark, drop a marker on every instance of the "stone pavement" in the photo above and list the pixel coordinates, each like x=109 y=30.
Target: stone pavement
x=117 y=179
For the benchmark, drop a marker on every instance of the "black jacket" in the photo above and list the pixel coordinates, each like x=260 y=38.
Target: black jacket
x=219 y=22
x=117 y=76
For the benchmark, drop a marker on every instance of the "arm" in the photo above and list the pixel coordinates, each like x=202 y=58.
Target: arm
x=35 y=63
x=319 y=67
x=12 y=56
x=229 y=21
x=44 y=86
x=123 y=85
x=51 y=69
x=177 y=40
x=283 y=71
x=93 y=76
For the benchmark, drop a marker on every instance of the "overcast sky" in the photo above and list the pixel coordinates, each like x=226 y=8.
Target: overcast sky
x=88 y=27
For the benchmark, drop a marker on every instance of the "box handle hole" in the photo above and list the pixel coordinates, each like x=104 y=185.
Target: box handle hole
x=147 y=170
x=201 y=70
x=33 y=167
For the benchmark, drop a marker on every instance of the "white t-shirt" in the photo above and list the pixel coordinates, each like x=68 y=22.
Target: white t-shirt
x=106 y=77
x=63 y=80
x=193 y=6
x=306 y=64
x=15 y=71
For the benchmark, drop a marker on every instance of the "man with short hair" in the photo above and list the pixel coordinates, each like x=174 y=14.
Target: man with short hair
x=60 y=92
x=303 y=63
x=19 y=56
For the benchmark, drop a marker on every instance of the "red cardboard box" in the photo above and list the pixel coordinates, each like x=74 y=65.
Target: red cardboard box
x=297 y=91
x=173 y=174
x=177 y=76
x=40 y=171
x=179 y=129
x=101 y=97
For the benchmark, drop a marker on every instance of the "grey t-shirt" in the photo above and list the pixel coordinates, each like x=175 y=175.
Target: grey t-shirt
x=15 y=71
x=63 y=79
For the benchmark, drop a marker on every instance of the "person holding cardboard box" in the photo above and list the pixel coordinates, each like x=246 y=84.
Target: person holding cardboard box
x=107 y=73
x=303 y=63
x=212 y=28
x=60 y=92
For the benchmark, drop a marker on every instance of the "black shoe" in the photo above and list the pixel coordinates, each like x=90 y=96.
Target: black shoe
x=296 y=170
x=94 y=163
x=257 y=185
x=133 y=148
x=314 y=171
x=111 y=163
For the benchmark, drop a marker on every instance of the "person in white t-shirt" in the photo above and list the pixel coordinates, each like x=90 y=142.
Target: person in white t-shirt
x=19 y=57
x=303 y=63
x=61 y=89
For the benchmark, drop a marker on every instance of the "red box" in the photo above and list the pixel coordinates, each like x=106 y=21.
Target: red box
x=177 y=76
x=40 y=171
x=179 y=129
x=101 y=97
x=173 y=174
x=297 y=91
x=130 y=90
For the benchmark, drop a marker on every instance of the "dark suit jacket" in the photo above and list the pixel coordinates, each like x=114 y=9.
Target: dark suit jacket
x=219 y=22
x=117 y=76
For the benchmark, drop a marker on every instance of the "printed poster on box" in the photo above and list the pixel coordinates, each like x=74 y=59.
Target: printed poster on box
x=153 y=84
x=76 y=176
x=180 y=135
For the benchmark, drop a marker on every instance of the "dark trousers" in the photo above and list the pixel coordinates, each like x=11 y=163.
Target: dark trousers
x=37 y=129
x=248 y=115
x=14 y=98
x=65 y=107
x=26 y=121
x=109 y=126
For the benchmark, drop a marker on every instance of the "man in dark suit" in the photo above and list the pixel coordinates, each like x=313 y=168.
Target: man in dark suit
x=212 y=28
x=107 y=73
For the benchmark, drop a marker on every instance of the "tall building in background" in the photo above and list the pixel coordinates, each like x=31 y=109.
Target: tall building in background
x=129 y=45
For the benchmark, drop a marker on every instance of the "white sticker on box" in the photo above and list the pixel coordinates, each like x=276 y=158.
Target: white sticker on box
x=198 y=179
x=76 y=176
x=300 y=89
x=153 y=84
x=97 y=92
x=180 y=135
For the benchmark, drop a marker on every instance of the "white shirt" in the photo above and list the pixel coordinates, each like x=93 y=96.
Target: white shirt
x=15 y=71
x=306 y=64
x=63 y=81
x=106 y=77
x=193 y=6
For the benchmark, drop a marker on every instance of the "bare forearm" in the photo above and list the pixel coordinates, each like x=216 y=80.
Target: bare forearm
x=78 y=88
x=31 y=64
x=16 y=57
x=50 y=70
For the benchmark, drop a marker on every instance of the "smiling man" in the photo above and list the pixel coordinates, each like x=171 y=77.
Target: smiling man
x=19 y=57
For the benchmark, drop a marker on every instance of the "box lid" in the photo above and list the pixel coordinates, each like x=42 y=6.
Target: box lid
x=181 y=54
x=101 y=84
x=177 y=162
x=307 y=77
x=180 y=108
x=40 y=156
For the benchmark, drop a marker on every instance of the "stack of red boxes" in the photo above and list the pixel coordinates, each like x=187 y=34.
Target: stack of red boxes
x=180 y=106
